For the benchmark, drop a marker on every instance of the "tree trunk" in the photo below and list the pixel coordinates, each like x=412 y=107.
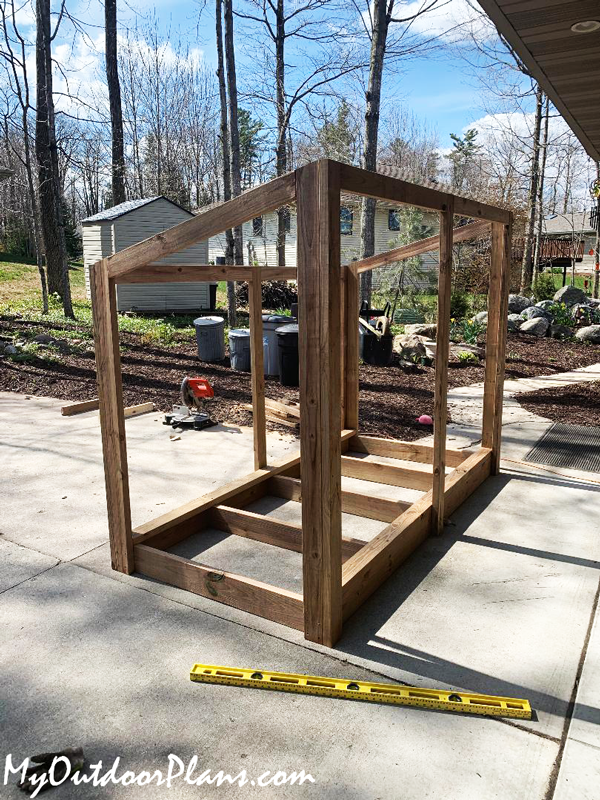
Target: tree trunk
x=382 y=12
x=51 y=212
x=540 y=200
x=234 y=134
x=231 y=309
x=281 y=150
x=114 y=97
x=527 y=265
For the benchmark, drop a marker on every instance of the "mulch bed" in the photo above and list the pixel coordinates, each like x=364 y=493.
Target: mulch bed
x=578 y=404
x=390 y=398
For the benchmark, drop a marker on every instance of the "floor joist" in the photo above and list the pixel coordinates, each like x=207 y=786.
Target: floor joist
x=405 y=451
x=390 y=474
x=360 y=505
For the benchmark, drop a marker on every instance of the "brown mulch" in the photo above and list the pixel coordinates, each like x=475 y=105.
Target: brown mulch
x=390 y=398
x=578 y=404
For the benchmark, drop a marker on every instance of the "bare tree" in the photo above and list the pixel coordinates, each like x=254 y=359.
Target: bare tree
x=234 y=132
x=114 y=98
x=540 y=198
x=51 y=212
x=527 y=265
x=14 y=54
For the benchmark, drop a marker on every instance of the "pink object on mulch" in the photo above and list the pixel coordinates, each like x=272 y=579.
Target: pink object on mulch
x=425 y=419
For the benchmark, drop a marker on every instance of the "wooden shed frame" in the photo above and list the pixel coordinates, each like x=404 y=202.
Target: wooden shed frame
x=338 y=573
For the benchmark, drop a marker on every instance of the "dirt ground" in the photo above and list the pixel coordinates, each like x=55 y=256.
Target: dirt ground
x=578 y=404
x=390 y=398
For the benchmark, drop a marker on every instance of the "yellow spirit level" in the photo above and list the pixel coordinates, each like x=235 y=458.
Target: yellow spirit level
x=442 y=700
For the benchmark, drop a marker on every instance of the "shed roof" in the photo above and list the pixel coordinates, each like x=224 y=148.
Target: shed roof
x=125 y=208
x=571 y=222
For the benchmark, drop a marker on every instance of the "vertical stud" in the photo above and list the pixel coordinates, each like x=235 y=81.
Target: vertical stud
x=258 y=369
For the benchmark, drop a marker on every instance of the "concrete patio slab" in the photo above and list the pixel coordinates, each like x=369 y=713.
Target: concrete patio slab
x=19 y=564
x=90 y=661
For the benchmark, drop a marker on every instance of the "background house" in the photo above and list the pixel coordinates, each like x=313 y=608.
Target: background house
x=260 y=238
x=576 y=227
x=131 y=222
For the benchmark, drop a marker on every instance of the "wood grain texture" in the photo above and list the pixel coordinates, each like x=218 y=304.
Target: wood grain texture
x=257 y=369
x=494 y=324
x=112 y=420
x=318 y=263
x=389 y=474
x=360 y=505
x=270 y=602
x=504 y=236
x=190 y=273
x=261 y=200
x=383 y=187
x=442 y=354
x=377 y=560
x=269 y=530
x=461 y=234
x=405 y=451
x=351 y=362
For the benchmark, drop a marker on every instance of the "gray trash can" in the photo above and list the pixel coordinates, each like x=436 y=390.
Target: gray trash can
x=239 y=349
x=270 y=324
x=210 y=336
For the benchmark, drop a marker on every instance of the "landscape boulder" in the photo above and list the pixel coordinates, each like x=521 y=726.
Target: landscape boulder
x=589 y=334
x=545 y=304
x=427 y=329
x=514 y=322
x=560 y=332
x=535 y=312
x=536 y=327
x=409 y=347
x=11 y=350
x=584 y=312
x=518 y=303
x=481 y=318
x=570 y=295
x=44 y=338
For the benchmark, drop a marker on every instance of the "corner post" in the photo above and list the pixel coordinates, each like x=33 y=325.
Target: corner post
x=112 y=418
x=351 y=361
x=258 y=369
x=318 y=203
x=497 y=329
x=442 y=352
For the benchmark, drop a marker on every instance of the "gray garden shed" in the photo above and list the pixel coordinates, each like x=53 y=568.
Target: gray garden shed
x=131 y=222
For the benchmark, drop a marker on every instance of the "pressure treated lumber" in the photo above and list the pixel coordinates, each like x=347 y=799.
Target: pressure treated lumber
x=258 y=370
x=189 y=273
x=92 y=405
x=496 y=342
x=379 y=558
x=254 y=202
x=442 y=350
x=219 y=496
x=405 y=451
x=112 y=420
x=372 y=184
x=268 y=530
x=351 y=350
x=234 y=590
x=461 y=234
x=318 y=263
x=390 y=474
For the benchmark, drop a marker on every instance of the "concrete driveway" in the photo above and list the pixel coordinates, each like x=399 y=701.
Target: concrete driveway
x=504 y=603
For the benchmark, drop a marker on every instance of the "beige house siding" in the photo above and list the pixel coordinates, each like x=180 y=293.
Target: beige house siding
x=104 y=238
x=265 y=249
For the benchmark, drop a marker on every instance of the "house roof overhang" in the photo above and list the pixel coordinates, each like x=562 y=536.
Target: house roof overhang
x=565 y=63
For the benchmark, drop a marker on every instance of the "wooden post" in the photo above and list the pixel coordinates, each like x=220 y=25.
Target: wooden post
x=351 y=364
x=318 y=202
x=258 y=369
x=495 y=351
x=442 y=353
x=112 y=420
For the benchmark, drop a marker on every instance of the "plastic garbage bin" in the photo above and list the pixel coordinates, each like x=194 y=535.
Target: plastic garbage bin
x=270 y=324
x=239 y=349
x=210 y=336
x=287 y=351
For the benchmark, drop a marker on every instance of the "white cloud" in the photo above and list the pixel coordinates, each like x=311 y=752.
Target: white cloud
x=449 y=19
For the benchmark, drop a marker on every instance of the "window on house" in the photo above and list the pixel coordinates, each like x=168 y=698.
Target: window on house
x=346 y=218
x=287 y=220
x=257 y=226
x=393 y=220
